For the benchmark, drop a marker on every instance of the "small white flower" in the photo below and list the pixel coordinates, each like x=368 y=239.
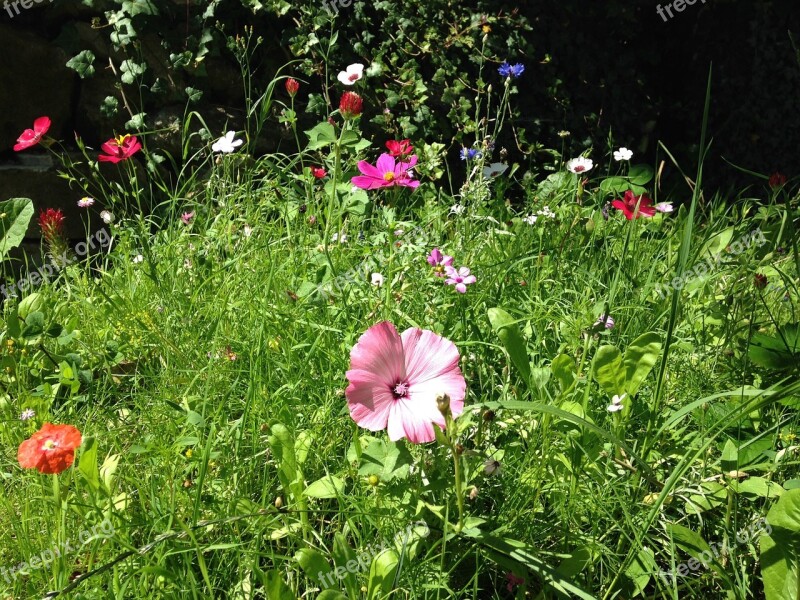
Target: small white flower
x=546 y=212
x=622 y=154
x=580 y=165
x=494 y=169
x=353 y=73
x=107 y=217
x=616 y=403
x=226 y=144
x=247 y=230
x=340 y=238
x=457 y=209
x=398 y=232
x=85 y=202
x=664 y=207
x=138 y=258
x=530 y=219
x=491 y=467
x=377 y=279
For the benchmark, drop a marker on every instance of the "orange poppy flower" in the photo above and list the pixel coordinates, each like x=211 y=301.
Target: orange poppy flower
x=51 y=450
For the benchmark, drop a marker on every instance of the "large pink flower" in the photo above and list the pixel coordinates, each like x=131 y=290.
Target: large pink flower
x=386 y=173
x=634 y=206
x=394 y=380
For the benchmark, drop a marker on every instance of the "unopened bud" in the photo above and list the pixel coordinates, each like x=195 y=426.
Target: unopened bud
x=443 y=404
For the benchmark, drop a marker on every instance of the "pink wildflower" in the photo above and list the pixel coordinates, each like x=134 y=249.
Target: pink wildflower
x=187 y=217
x=395 y=380
x=439 y=262
x=460 y=278
x=386 y=173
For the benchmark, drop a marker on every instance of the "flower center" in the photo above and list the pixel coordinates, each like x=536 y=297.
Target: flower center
x=121 y=139
x=400 y=390
x=580 y=169
x=50 y=445
x=388 y=176
x=353 y=77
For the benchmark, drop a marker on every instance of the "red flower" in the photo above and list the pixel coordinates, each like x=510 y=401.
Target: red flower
x=402 y=148
x=31 y=137
x=318 y=172
x=776 y=180
x=50 y=450
x=760 y=281
x=350 y=105
x=51 y=222
x=628 y=206
x=119 y=148
x=292 y=86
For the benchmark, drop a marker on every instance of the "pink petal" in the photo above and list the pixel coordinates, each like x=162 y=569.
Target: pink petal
x=430 y=358
x=379 y=351
x=365 y=182
x=450 y=281
x=447 y=261
x=452 y=384
x=414 y=420
x=450 y=271
x=469 y=279
x=463 y=272
x=405 y=166
x=385 y=164
x=412 y=183
x=106 y=158
x=369 y=400
x=461 y=288
x=369 y=170
x=110 y=148
x=41 y=125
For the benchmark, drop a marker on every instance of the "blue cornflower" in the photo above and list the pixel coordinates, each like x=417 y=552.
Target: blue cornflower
x=514 y=71
x=470 y=153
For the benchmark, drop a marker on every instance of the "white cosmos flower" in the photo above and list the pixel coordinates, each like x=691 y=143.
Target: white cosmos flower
x=226 y=144
x=494 y=169
x=580 y=165
x=377 y=279
x=353 y=73
x=664 y=207
x=622 y=154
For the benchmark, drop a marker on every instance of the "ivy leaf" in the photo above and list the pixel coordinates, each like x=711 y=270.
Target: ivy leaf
x=82 y=63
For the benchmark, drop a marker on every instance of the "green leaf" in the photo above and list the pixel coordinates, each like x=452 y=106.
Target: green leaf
x=381 y=574
x=757 y=487
x=331 y=595
x=779 y=352
x=82 y=63
x=507 y=330
x=608 y=370
x=275 y=588
x=730 y=457
x=29 y=304
x=329 y=486
x=564 y=369
x=131 y=70
x=313 y=563
x=640 y=174
x=778 y=569
x=15 y=217
x=343 y=554
x=388 y=460
x=640 y=357
x=87 y=464
x=641 y=569
x=320 y=136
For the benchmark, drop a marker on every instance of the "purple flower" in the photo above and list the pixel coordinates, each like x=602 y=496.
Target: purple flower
x=28 y=413
x=606 y=320
x=187 y=217
x=439 y=262
x=513 y=71
x=460 y=278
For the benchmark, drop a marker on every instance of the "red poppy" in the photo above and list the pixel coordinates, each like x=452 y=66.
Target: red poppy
x=776 y=180
x=50 y=450
x=292 y=86
x=119 y=148
x=51 y=222
x=628 y=206
x=31 y=137
x=402 y=148
x=350 y=105
x=318 y=172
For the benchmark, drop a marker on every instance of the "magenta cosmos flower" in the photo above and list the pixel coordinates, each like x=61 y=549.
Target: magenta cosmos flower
x=634 y=206
x=460 y=278
x=386 y=173
x=395 y=379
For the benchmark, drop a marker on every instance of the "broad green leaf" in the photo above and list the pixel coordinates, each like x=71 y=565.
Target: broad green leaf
x=275 y=588
x=687 y=540
x=640 y=357
x=87 y=464
x=82 y=64
x=507 y=330
x=640 y=174
x=342 y=555
x=608 y=370
x=381 y=574
x=15 y=216
x=779 y=566
x=320 y=136
x=641 y=569
x=780 y=351
x=730 y=457
x=313 y=564
x=329 y=486
x=757 y=486
x=564 y=368
x=387 y=460
x=331 y=595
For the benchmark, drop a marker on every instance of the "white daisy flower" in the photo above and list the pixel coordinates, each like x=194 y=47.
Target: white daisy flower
x=580 y=165
x=622 y=154
x=226 y=144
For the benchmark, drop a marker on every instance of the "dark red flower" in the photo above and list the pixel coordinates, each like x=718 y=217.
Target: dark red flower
x=350 y=105
x=318 y=172
x=628 y=206
x=776 y=180
x=402 y=148
x=119 y=148
x=50 y=450
x=292 y=86
x=51 y=222
x=760 y=281
x=513 y=581
x=31 y=137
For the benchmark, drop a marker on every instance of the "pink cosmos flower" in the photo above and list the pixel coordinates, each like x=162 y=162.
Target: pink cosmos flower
x=439 y=261
x=386 y=173
x=187 y=217
x=460 y=278
x=395 y=379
